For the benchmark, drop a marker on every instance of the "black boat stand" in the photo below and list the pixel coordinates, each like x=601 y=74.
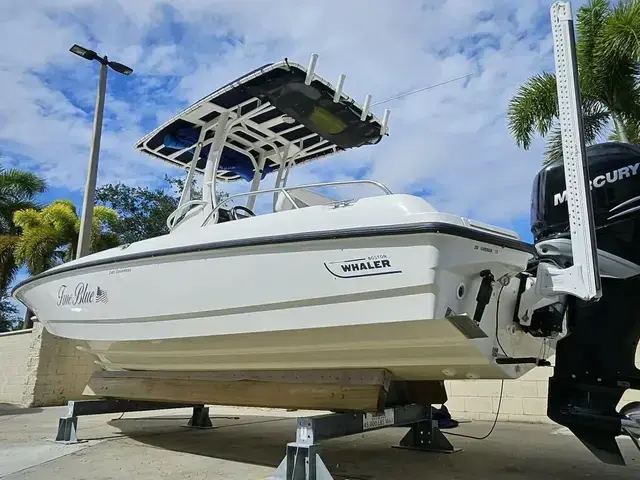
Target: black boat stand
x=68 y=425
x=302 y=460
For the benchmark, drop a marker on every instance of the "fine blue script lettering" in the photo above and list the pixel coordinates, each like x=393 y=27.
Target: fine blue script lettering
x=79 y=296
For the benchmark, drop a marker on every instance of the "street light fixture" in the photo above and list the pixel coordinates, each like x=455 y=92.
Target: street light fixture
x=120 y=68
x=83 y=52
x=84 y=239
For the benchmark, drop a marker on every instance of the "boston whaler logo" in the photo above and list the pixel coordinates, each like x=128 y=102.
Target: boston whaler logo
x=601 y=180
x=82 y=294
x=362 y=267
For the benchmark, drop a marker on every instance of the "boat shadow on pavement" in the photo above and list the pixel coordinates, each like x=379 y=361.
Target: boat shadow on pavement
x=513 y=451
x=7 y=409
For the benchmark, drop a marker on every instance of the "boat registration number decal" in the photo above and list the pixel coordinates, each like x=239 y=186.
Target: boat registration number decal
x=486 y=249
x=377 y=420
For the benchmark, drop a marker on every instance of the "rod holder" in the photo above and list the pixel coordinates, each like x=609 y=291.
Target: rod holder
x=384 y=128
x=339 y=85
x=311 y=69
x=366 y=107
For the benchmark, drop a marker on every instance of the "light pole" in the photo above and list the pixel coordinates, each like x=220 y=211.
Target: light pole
x=84 y=239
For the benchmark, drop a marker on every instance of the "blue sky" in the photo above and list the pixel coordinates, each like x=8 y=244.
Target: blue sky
x=450 y=144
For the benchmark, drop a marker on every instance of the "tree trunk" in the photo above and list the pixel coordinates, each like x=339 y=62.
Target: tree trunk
x=73 y=250
x=26 y=322
x=621 y=130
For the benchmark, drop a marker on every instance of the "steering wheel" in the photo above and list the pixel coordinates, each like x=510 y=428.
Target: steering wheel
x=234 y=212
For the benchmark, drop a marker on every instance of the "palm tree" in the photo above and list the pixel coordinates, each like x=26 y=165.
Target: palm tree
x=608 y=50
x=18 y=191
x=632 y=130
x=9 y=317
x=50 y=235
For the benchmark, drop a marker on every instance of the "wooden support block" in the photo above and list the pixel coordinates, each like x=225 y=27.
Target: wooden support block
x=422 y=392
x=340 y=390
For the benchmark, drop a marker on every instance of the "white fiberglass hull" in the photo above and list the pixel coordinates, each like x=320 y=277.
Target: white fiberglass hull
x=390 y=294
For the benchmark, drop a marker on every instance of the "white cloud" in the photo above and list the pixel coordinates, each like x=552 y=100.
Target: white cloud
x=452 y=140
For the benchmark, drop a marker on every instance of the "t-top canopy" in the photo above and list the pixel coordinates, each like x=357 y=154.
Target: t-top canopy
x=279 y=106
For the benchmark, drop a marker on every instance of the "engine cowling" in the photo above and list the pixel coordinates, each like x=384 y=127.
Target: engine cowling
x=614 y=169
x=595 y=360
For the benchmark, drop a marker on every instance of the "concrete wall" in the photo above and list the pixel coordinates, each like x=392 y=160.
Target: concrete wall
x=63 y=371
x=38 y=369
x=15 y=363
x=523 y=400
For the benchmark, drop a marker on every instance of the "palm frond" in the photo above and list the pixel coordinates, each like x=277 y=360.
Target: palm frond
x=594 y=121
x=102 y=236
x=620 y=35
x=20 y=184
x=62 y=217
x=590 y=21
x=533 y=108
x=106 y=216
x=553 y=149
x=27 y=218
x=50 y=236
x=7 y=242
x=36 y=248
x=44 y=233
x=8 y=263
x=65 y=203
x=627 y=100
x=608 y=54
x=18 y=190
x=595 y=118
x=7 y=214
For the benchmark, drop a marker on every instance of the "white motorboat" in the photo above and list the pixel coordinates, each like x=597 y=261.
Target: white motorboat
x=323 y=283
x=382 y=281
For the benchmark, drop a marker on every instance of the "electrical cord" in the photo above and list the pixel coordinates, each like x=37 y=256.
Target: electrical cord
x=497 y=312
x=545 y=345
x=495 y=420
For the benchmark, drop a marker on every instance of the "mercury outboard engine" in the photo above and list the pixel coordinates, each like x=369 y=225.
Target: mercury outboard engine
x=595 y=361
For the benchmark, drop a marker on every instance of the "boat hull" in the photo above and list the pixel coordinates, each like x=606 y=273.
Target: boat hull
x=393 y=298
x=310 y=318
x=432 y=349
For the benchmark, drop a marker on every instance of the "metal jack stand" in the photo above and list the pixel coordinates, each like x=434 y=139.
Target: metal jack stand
x=303 y=462
x=68 y=425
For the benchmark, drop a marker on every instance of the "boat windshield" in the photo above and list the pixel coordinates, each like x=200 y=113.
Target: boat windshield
x=272 y=200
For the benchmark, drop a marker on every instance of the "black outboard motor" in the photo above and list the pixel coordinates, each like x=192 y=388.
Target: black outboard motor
x=595 y=361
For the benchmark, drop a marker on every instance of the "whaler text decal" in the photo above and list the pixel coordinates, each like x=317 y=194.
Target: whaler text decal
x=362 y=267
x=601 y=180
x=81 y=294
